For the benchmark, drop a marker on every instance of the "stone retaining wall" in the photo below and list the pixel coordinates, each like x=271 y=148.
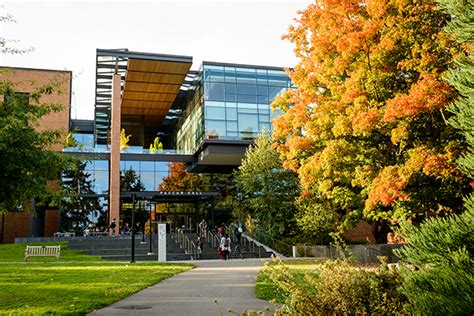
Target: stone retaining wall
x=364 y=253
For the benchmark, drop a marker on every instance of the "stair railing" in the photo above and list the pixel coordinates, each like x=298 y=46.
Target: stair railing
x=188 y=245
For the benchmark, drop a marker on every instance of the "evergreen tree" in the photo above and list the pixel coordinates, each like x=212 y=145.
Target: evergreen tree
x=76 y=209
x=442 y=249
x=131 y=182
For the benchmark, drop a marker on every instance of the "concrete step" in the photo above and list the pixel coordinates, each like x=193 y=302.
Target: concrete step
x=145 y=257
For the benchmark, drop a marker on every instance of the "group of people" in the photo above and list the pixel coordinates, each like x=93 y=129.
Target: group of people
x=225 y=242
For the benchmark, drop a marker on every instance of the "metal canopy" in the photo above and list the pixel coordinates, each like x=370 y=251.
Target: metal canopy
x=163 y=196
x=150 y=83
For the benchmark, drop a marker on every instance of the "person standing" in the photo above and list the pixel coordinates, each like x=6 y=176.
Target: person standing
x=203 y=228
x=113 y=225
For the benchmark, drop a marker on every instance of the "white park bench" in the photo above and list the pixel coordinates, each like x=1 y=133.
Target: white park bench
x=66 y=234
x=42 y=251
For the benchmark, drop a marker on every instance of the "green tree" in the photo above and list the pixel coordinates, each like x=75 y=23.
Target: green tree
x=76 y=210
x=28 y=163
x=268 y=189
x=442 y=249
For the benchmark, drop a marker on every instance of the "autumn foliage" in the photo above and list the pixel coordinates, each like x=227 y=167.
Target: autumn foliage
x=366 y=129
x=179 y=180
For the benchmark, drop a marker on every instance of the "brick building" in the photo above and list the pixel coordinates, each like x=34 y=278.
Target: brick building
x=43 y=222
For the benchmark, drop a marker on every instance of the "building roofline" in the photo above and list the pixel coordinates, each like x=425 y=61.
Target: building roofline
x=125 y=53
x=215 y=63
x=36 y=69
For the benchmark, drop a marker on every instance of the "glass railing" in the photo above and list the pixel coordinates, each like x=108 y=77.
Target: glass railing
x=100 y=149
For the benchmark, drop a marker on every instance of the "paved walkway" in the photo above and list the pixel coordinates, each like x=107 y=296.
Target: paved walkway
x=231 y=283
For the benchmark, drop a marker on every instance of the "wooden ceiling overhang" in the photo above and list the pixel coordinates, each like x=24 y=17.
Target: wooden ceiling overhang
x=151 y=86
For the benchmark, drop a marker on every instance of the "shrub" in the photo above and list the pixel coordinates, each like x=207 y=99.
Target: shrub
x=340 y=289
x=441 y=249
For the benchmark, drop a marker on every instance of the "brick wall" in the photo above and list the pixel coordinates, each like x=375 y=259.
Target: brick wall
x=362 y=232
x=27 y=80
x=16 y=225
x=51 y=222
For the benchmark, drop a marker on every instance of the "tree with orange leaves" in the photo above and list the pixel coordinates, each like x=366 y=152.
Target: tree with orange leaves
x=179 y=180
x=366 y=129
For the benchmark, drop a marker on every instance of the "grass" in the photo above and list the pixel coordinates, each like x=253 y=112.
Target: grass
x=76 y=285
x=266 y=289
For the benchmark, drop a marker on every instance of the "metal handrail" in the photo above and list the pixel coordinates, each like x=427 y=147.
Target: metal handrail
x=184 y=242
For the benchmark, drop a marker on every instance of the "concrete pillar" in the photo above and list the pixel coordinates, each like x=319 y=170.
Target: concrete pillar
x=114 y=168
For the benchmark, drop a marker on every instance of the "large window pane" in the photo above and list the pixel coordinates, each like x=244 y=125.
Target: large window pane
x=217 y=113
x=215 y=91
x=148 y=180
x=247 y=98
x=231 y=114
x=262 y=90
x=246 y=89
x=159 y=178
x=131 y=164
x=213 y=73
x=230 y=98
x=147 y=166
x=273 y=92
x=215 y=129
x=101 y=165
x=232 y=126
x=248 y=123
x=101 y=181
x=263 y=99
x=230 y=88
x=161 y=166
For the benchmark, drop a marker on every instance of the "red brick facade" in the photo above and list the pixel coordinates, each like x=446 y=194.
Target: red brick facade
x=15 y=224
x=19 y=224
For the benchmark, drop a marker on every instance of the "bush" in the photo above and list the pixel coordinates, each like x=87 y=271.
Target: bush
x=340 y=289
x=441 y=250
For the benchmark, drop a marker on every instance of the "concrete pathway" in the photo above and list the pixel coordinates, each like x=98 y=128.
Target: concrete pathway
x=195 y=292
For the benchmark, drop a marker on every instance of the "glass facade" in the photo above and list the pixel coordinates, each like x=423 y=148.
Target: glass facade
x=99 y=170
x=84 y=139
x=231 y=103
x=237 y=99
x=151 y=173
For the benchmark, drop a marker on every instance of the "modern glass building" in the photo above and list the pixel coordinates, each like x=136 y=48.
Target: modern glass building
x=205 y=118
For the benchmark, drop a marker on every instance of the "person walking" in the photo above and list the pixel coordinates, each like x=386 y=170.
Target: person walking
x=225 y=247
x=199 y=244
x=238 y=241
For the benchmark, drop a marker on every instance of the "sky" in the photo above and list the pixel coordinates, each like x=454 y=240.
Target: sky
x=65 y=34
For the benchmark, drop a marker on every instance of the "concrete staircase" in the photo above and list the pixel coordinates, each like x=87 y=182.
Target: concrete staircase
x=119 y=248
x=248 y=250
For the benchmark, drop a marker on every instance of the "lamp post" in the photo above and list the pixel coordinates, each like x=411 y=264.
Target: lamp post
x=151 y=232
x=132 y=260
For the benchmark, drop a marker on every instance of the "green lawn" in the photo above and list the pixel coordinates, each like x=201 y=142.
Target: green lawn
x=266 y=289
x=76 y=285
